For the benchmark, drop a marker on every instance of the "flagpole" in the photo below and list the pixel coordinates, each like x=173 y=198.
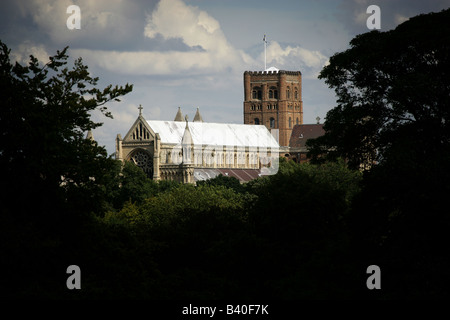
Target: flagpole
x=265 y=57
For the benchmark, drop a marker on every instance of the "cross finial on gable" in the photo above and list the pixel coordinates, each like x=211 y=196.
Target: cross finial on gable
x=140 y=109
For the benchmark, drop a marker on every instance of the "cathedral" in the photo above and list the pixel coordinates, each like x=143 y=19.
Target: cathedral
x=191 y=151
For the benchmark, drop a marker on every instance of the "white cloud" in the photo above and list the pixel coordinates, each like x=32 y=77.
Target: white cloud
x=170 y=19
x=27 y=48
x=174 y=19
x=108 y=20
x=196 y=28
x=310 y=62
x=398 y=19
x=143 y=62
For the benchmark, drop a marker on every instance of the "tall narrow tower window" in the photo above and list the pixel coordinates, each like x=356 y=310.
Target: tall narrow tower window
x=288 y=93
x=290 y=122
x=272 y=122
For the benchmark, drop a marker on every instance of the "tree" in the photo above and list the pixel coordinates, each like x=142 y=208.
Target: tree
x=221 y=180
x=128 y=182
x=45 y=113
x=300 y=217
x=393 y=94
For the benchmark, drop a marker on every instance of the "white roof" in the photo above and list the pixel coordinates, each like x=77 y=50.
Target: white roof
x=215 y=134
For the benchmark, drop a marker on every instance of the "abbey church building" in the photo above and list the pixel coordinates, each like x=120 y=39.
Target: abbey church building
x=190 y=151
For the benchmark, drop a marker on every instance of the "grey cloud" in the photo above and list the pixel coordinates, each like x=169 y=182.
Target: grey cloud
x=392 y=12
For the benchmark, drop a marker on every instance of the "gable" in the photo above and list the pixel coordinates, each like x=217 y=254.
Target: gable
x=140 y=131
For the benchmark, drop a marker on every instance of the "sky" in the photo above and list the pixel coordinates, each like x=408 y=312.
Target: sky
x=193 y=53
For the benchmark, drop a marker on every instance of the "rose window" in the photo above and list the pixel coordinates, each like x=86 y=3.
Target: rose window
x=144 y=161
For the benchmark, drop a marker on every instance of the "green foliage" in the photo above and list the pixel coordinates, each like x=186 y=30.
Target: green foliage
x=392 y=87
x=286 y=166
x=53 y=179
x=337 y=175
x=221 y=180
x=129 y=183
x=45 y=113
x=179 y=203
x=301 y=196
x=300 y=217
x=392 y=107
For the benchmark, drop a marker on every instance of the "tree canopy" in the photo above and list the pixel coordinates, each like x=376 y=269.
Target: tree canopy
x=392 y=93
x=45 y=114
x=393 y=117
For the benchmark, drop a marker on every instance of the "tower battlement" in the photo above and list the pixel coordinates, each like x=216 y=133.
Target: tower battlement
x=269 y=72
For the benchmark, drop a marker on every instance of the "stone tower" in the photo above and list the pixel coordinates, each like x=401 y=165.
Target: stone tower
x=274 y=98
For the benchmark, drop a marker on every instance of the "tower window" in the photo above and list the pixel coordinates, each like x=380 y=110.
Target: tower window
x=272 y=122
x=290 y=122
x=256 y=120
x=273 y=93
x=296 y=121
x=257 y=93
x=288 y=93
